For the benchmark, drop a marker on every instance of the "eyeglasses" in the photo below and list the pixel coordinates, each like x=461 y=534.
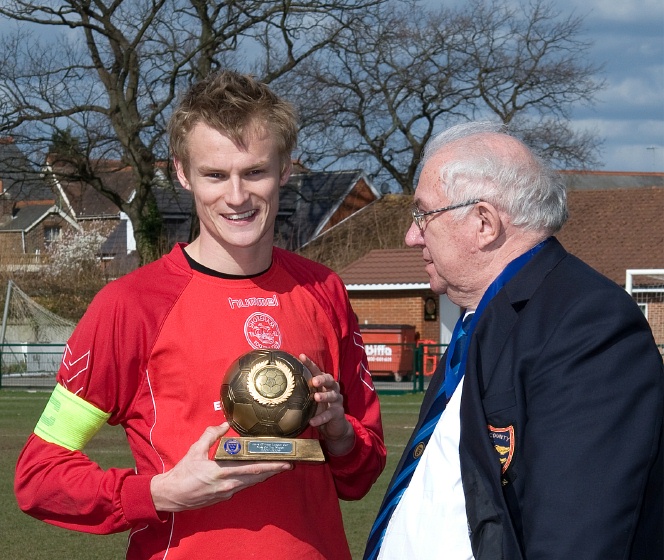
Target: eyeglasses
x=418 y=215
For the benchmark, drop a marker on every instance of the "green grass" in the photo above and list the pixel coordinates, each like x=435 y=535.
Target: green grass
x=25 y=538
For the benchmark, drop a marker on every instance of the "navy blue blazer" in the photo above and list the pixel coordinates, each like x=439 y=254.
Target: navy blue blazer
x=561 y=420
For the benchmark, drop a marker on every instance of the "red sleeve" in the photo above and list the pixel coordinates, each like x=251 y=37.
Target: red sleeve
x=355 y=472
x=65 y=488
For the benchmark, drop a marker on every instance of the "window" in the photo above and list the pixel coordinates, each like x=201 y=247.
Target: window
x=51 y=233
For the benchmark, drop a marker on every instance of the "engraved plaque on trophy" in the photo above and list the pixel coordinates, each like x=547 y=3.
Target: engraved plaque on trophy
x=268 y=399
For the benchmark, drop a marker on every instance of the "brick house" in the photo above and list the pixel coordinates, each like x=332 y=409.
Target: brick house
x=391 y=283
x=30 y=228
x=30 y=217
x=614 y=225
x=87 y=205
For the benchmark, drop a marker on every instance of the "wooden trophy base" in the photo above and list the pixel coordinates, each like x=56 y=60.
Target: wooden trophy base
x=269 y=449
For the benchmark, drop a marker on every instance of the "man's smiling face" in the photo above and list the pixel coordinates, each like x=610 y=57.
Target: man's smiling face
x=236 y=190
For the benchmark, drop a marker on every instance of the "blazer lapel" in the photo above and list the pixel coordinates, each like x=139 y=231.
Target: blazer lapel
x=500 y=316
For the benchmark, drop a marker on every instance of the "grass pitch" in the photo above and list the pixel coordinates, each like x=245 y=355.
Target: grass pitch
x=25 y=538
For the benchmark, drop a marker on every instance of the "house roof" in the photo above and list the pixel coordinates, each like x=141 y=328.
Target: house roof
x=616 y=229
x=389 y=268
x=308 y=201
x=82 y=199
x=19 y=178
x=23 y=218
x=116 y=242
x=86 y=202
x=26 y=217
x=608 y=180
x=174 y=200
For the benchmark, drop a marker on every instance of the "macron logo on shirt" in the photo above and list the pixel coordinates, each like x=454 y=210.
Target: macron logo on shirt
x=254 y=302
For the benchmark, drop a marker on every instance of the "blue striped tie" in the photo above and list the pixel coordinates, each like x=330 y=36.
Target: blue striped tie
x=395 y=492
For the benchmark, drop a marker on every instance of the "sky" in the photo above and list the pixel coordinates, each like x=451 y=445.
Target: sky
x=628 y=40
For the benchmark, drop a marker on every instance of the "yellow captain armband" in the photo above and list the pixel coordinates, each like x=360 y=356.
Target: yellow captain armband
x=69 y=421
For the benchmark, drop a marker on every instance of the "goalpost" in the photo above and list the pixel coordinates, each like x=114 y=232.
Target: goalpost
x=646 y=286
x=32 y=341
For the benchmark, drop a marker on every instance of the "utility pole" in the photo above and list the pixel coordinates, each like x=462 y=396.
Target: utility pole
x=652 y=149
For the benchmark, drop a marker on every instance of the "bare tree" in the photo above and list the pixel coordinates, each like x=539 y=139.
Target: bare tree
x=398 y=75
x=106 y=73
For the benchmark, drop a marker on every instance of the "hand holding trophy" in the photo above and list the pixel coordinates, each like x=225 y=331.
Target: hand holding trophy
x=268 y=398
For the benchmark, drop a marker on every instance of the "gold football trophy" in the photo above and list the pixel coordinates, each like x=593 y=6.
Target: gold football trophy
x=268 y=399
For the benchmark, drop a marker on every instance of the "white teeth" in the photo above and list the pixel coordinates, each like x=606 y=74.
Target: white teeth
x=240 y=216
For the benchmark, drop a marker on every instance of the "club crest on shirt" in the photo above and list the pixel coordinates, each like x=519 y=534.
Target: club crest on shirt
x=262 y=331
x=503 y=442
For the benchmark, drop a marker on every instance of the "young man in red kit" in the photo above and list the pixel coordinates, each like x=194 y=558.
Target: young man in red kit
x=152 y=349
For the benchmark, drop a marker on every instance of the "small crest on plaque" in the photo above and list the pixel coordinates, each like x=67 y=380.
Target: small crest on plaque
x=232 y=446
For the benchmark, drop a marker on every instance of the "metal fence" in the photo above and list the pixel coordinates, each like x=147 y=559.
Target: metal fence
x=395 y=367
x=29 y=366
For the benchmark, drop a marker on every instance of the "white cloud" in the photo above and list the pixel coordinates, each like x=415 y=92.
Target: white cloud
x=628 y=40
x=643 y=152
x=628 y=11
x=635 y=91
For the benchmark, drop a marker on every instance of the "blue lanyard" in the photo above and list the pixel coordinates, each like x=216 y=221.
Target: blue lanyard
x=503 y=278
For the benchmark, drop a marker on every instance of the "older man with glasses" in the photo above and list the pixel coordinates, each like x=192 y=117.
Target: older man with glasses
x=540 y=435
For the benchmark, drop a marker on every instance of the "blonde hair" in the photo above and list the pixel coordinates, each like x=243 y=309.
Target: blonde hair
x=238 y=106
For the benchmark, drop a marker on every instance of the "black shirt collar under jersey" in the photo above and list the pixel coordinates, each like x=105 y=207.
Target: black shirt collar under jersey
x=198 y=267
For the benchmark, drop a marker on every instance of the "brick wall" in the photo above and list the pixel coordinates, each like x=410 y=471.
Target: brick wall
x=396 y=308
x=11 y=243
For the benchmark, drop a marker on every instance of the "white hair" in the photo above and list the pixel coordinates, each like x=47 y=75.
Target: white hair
x=491 y=165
